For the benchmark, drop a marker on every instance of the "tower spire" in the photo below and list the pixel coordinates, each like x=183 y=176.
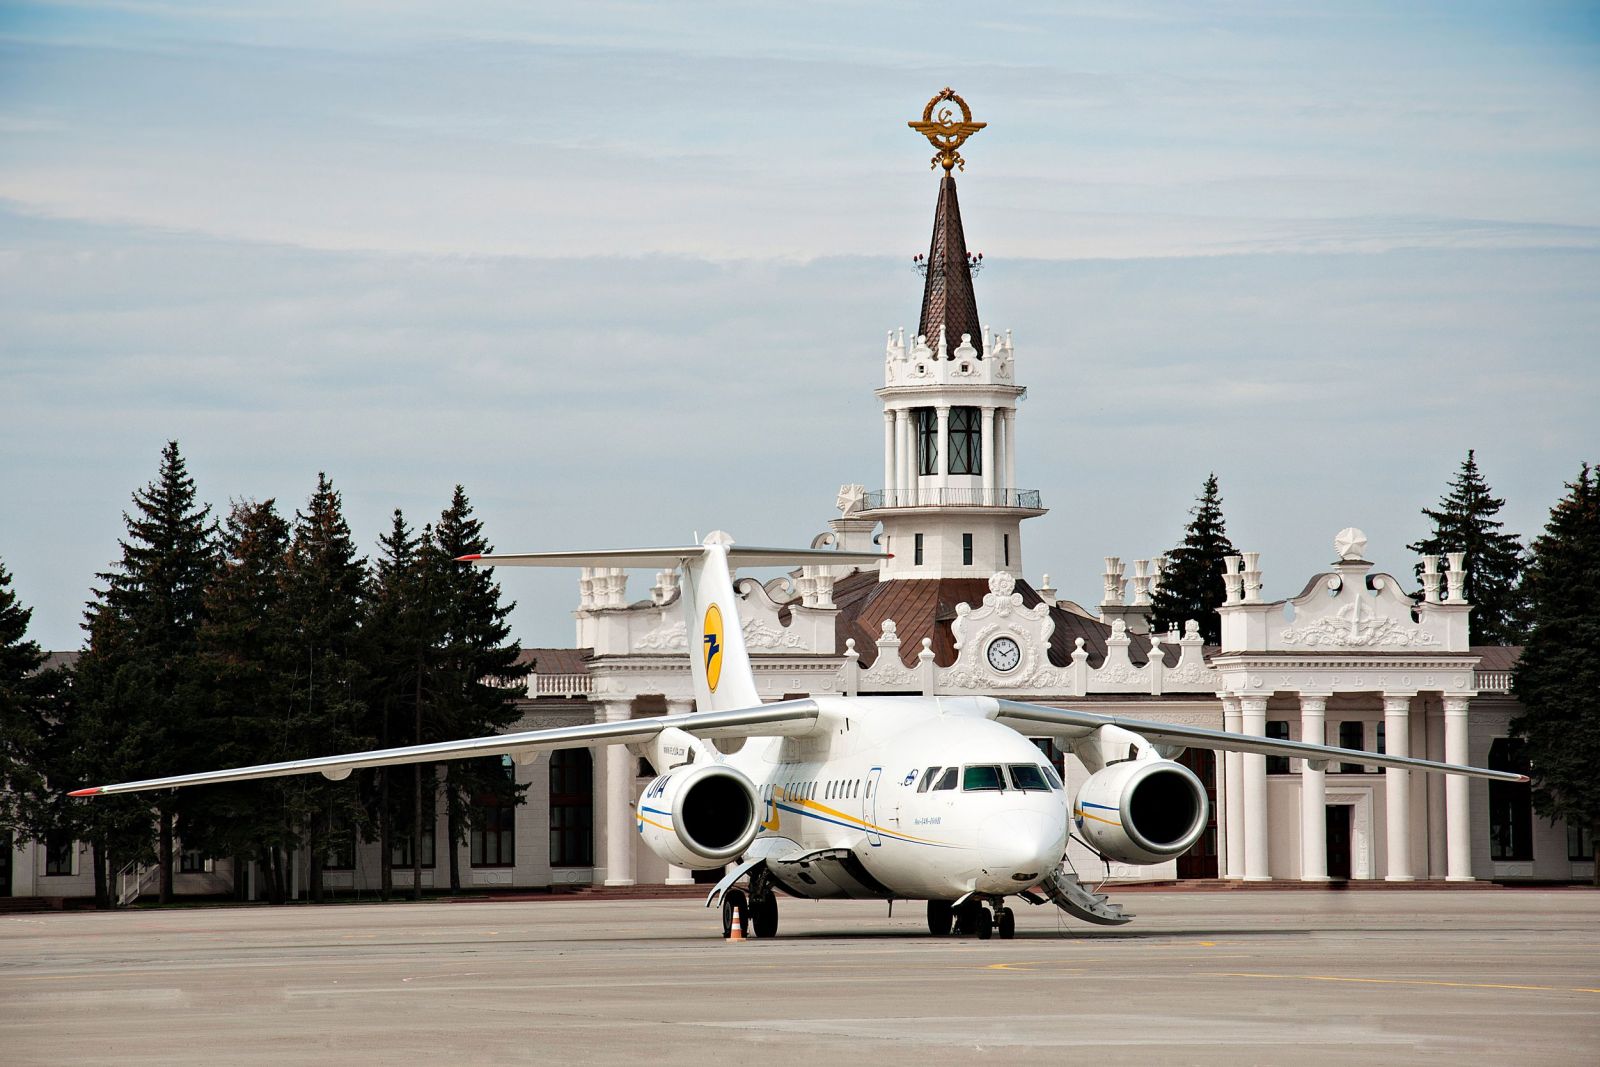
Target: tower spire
x=949 y=306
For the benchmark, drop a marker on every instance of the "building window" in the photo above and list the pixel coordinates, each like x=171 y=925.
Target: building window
x=1580 y=843
x=1005 y=542
x=571 y=808
x=927 y=441
x=193 y=861
x=400 y=848
x=1278 y=730
x=493 y=818
x=59 y=852
x=966 y=550
x=1510 y=803
x=916 y=550
x=966 y=441
x=1350 y=737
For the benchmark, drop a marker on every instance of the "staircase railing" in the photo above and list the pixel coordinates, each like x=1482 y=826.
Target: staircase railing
x=134 y=880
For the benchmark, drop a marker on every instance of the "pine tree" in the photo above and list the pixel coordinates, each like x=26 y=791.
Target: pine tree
x=248 y=661
x=1557 y=680
x=480 y=676
x=28 y=706
x=323 y=593
x=1191 y=580
x=1465 y=522
x=136 y=682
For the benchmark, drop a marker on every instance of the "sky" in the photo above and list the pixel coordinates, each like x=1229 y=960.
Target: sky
x=624 y=270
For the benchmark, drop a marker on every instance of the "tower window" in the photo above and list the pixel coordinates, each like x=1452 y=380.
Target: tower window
x=966 y=550
x=1005 y=541
x=927 y=441
x=916 y=553
x=966 y=441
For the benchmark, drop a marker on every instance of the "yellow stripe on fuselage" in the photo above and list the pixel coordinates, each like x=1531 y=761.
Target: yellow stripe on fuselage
x=836 y=813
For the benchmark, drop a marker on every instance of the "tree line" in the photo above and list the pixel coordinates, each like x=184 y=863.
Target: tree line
x=254 y=639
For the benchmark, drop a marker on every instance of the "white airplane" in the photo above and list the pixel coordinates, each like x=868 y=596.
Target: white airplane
x=942 y=799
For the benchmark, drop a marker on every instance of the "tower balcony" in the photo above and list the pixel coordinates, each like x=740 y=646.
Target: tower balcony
x=952 y=497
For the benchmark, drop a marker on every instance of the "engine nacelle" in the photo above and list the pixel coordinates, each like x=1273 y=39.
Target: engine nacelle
x=1142 y=811
x=699 y=816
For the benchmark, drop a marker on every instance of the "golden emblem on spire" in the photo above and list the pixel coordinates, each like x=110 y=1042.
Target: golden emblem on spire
x=944 y=132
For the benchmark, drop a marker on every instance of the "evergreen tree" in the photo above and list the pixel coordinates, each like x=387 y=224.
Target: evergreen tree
x=1557 y=680
x=1191 y=580
x=1465 y=522
x=248 y=658
x=136 y=682
x=323 y=595
x=29 y=706
x=480 y=677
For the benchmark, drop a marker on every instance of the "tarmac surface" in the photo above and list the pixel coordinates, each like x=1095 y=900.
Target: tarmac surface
x=1234 y=978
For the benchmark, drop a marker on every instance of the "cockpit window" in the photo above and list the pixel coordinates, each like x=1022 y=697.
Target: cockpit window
x=1026 y=776
x=927 y=779
x=1050 y=773
x=981 y=777
x=947 y=780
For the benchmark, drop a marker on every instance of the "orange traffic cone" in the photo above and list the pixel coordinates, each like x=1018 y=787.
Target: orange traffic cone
x=737 y=933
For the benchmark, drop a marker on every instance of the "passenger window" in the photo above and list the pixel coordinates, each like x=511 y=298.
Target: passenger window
x=1026 y=776
x=927 y=779
x=947 y=780
x=1051 y=775
x=981 y=778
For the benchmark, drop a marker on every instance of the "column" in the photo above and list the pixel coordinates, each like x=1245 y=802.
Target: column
x=888 y=456
x=1010 y=448
x=1313 y=792
x=942 y=463
x=1253 y=720
x=989 y=477
x=1457 y=810
x=1397 y=785
x=677 y=875
x=1232 y=794
x=905 y=481
x=618 y=814
x=1433 y=785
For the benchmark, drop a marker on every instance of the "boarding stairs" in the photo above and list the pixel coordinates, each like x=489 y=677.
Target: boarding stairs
x=1062 y=887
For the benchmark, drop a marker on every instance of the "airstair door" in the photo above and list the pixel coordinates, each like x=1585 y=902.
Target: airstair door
x=869 y=806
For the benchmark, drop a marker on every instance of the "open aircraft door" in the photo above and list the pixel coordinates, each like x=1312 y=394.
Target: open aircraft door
x=869 y=806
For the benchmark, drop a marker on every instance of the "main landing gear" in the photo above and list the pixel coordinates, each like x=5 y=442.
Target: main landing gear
x=758 y=912
x=972 y=918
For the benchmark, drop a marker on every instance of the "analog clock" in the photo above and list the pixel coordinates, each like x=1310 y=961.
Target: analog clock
x=1004 y=654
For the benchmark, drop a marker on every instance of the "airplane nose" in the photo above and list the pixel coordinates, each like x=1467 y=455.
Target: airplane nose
x=1016 y=848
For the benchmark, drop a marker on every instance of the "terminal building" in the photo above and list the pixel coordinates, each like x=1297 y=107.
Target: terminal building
x=1355 y=659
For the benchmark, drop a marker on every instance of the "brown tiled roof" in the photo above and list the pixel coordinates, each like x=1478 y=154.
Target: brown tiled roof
x=1497 y=657
x=947 y=297
x=557 y=660
x=926 y=607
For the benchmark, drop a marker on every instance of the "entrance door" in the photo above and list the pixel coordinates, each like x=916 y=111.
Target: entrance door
x=869 y=806
x=1201 y=860
x=5 y=863
x=1338 y=830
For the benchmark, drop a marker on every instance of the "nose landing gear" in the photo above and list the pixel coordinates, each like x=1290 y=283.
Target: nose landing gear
x=973 y=917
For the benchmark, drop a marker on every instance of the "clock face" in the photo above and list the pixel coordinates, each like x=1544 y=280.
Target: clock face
x=1004 y=654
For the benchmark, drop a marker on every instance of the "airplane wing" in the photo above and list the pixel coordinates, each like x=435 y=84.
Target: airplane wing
x=784 y=718
x=738 y=555
x=1036 y=720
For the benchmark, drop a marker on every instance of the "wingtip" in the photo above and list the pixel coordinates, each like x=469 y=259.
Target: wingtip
x=469 y=558
x=93 y=790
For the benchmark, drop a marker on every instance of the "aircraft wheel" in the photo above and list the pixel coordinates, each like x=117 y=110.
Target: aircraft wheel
x=735 y=898
x=940 y=916
x=764 y=912
x=1005 y=922
x=985 y=924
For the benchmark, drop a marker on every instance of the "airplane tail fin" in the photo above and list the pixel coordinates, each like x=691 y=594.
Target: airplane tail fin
x=718 y=658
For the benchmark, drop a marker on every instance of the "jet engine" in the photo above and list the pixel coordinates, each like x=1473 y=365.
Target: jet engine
x=699 y=816
x=1142 y=811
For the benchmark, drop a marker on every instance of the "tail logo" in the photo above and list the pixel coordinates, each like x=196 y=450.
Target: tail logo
x=713 y=646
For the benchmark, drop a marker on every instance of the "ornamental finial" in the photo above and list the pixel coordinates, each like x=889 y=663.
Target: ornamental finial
x=944 y=132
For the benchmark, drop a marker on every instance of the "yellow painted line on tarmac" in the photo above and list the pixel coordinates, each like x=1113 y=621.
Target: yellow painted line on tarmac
x=1409 y=981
